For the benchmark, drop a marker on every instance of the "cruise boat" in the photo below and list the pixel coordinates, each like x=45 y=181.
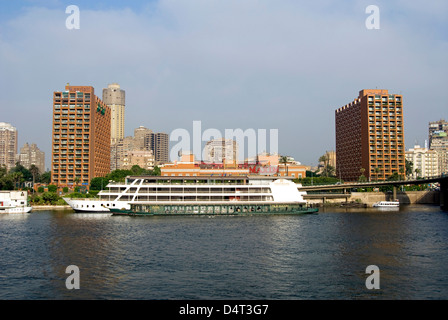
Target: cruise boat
x=387 y=204
x=14 y=202
x=149 y=195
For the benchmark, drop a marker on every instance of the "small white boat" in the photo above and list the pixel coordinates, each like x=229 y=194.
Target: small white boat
x=14 y=202
x=387 y=204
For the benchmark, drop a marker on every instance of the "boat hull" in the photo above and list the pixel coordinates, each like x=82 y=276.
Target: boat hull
x=16 y=210
x=214 y=209
x=386 y=204
x=94 y=206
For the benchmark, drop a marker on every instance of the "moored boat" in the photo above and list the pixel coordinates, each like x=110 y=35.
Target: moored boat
x=14 y=202
x=387 y=204
x=147 y=195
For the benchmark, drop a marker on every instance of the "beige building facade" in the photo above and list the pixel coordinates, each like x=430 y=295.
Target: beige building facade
x=115 y=98
x=8 y=145
x=425 y=162
x=32 y=155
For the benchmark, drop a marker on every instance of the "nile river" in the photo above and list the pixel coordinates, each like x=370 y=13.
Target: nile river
x=321 y=256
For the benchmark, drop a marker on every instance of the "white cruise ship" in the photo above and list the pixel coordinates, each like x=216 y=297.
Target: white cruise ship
x=14 y=202
x=196 y=195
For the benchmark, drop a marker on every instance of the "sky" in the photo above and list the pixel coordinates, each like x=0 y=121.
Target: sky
x=283 y=65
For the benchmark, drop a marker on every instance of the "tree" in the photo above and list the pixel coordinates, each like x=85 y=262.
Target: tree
x=34 y=172
x=377 y=171
x=417 y=172
x=362 y=177
x=284 y=160
x=26 y=174
x=98 y=183
x=137 y=170
x=324 y=159
x=50 y=197
x=45 y=177
x=17 y=178
x=409 y=166
x=156 y=171
x=394 y=177
x=329 y=171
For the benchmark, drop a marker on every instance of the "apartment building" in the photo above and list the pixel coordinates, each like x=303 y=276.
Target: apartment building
x=8 y=145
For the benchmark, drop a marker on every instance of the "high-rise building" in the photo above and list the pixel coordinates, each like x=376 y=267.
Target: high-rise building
x=31 y=154
x=159 y=144
x=142 y=138
x=221 y=151
x=81 y=136
x=438 y=141
x=8 y=145
x=114 y=97
x=369 y=137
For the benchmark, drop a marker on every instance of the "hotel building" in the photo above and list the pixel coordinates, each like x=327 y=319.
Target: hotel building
x=369 y=136
x=8 y=145
x=81 y=136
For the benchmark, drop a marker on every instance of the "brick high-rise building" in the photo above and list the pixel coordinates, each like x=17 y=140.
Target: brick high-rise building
x=369 y=137
x=8 y=145
x=81 y=136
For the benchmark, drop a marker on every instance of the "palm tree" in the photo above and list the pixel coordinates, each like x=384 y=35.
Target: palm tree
x=35 y=172
x=284 y=160
x=377 y=170
x=417 y=172
x=325 y=160
x=17 y=177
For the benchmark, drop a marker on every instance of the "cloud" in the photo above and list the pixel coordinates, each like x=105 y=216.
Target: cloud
x=283 y=65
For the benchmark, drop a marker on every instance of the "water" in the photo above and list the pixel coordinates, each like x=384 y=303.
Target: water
x=321 y=256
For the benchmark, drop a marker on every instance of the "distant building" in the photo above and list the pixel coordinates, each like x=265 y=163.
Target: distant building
x=115 y=98
x=369 y=136
x=144 y=139
x=187 y=166
x=159 y=144
x=31 y=154
x=142 y=158
x=438 y=141
x=425 y=162
x=221 y=151
x=81 y=136
x=8 y=145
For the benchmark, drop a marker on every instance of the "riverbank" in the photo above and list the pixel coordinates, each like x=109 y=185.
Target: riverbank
x=369 y=198
x=51 y=207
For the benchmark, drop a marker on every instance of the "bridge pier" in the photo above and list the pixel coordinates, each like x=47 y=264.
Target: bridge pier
x=444 y=194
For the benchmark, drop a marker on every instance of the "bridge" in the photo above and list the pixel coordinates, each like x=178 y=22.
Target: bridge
x=442 y=180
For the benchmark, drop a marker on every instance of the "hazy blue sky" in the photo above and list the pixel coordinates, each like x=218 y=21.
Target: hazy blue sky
x=249 y=64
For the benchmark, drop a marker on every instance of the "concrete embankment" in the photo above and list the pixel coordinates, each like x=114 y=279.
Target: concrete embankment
x=63 y=207
x=369 y=198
